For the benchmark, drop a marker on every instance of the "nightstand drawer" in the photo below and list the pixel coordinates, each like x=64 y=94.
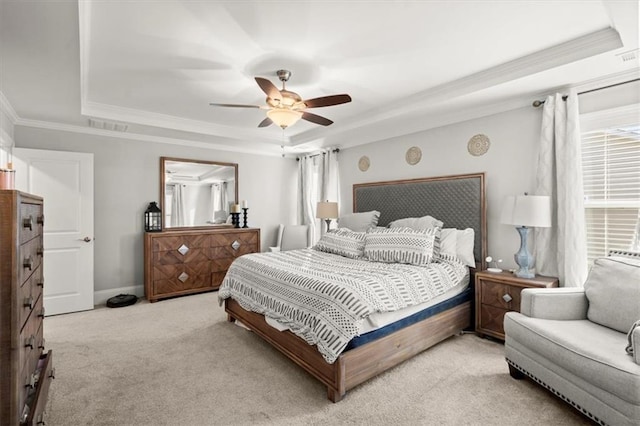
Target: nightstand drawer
x=492 y=319
x=500 y=295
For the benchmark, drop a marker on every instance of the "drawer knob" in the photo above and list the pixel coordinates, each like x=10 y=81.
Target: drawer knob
x=183 y=250
x=30 y=342
x=40 y=251
x=235 y=245
x=40 y=220
x=41 y=313
x=28 y=302
x=507 y=298
x=28 y=262
x=40 y=283
x=183 y=277
x=41 y=345
x=52 y=373
x=27 y=222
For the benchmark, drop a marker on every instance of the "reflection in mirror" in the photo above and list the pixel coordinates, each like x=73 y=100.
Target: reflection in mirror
x=197 y=193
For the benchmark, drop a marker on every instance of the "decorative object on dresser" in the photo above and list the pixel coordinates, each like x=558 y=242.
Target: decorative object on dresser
x=153 y=218
x=25 y=368
x=186 y=262
x=495 y=262
x=526 y=211
x=327 y=210
x=245 y=209
x=498 y=293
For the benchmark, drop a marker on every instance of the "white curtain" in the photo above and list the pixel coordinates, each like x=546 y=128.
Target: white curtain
x=561 y=250
x=219 y=202
x=178 y=207
x=635 y=244
x=318 y=180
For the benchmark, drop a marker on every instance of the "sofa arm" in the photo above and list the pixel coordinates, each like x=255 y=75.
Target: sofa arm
x=554 y=303
x=635 y=344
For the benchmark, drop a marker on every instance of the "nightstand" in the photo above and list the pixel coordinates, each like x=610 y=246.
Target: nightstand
x=499 y=293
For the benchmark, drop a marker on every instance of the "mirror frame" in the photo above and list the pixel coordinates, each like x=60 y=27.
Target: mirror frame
x=163 y=160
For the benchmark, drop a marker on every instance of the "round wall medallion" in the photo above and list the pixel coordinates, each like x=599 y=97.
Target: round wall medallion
x=364 y=163
x=413 y=155
x=478 y=145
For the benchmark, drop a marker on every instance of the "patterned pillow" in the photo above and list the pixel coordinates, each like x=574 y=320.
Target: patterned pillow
x=342 y=241
x=402 y=245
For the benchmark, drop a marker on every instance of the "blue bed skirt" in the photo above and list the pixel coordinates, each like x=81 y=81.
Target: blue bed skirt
x=412 y=319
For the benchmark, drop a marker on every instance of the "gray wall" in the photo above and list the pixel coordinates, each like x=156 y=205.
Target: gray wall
x=127 y=178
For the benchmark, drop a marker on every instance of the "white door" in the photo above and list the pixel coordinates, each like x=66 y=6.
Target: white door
x=65 y=181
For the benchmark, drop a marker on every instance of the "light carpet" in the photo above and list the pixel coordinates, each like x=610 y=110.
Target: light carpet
x=179 y=362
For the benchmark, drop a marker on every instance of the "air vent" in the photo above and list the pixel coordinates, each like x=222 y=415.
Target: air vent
x=630 y=55
x=108 y=125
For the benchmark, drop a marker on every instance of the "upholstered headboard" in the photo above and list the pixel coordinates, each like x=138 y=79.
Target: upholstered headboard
x=458 y=201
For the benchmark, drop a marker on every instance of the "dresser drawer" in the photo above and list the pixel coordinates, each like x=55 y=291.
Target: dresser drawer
x=500 y=295
x=177 y=286
x=239 y=238
x=28 y=296
x=230 y=252
x=35 y=407
x=492 y=318
x=30 y=257
x=31 y=221
x=175 y=257
x=175 y=242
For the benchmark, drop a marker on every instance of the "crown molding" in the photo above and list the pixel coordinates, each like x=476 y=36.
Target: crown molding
x=271 y=151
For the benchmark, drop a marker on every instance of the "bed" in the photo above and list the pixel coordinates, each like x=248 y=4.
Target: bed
x=459 y=201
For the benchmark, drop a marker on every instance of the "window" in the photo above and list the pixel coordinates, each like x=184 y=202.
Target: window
x=611 y=173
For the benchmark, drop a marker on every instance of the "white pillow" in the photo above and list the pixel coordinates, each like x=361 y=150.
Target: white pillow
x=402 y=245
x=448 y=239
x=343 y=242
x=464 y=246
x=419 y=223
x=359 y=222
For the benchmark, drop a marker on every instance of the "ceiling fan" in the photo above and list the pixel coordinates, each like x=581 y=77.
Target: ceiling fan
x=285 y=108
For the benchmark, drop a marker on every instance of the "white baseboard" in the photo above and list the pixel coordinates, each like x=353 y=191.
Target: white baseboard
x=100 y=297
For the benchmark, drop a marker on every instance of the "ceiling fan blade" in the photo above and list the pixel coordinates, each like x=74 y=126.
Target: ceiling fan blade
x=316 y=119
x=327 y=101
x=269 y=88
x=234 y=105
x=266 y=122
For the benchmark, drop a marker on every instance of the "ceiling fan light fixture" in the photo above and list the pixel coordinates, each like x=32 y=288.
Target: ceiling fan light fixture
x=284 y=117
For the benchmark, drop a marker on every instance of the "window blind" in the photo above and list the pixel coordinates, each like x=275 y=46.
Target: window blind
x=611 y=173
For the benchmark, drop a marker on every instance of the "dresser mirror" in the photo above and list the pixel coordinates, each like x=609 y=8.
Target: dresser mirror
x=196 y=193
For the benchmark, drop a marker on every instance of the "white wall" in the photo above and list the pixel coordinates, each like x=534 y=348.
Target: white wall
x=509 y=165
x=127 y=178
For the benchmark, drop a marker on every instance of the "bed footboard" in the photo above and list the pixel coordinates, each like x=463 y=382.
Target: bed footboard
x=364 y=362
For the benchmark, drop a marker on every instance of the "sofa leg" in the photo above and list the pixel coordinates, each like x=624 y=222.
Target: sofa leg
x=515 y=373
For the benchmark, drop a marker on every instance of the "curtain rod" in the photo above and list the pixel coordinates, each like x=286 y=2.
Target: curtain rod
x=322 y=153
x=538 y=103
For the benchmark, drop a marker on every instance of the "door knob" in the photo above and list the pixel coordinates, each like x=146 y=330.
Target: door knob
x=86 y=239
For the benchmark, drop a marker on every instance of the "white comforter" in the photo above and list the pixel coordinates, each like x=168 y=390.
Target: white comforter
x=324 y=298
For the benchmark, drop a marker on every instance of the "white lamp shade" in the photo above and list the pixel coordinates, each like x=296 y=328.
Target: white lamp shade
x=284 y=117
x=527 y=210
x=327 y=210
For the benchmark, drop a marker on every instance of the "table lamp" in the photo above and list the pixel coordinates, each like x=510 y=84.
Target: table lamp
x=327 y=210
x=526 y=211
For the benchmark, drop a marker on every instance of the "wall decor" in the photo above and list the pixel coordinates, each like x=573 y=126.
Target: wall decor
x=478 y=145
x=364 y=163
x=413 y=155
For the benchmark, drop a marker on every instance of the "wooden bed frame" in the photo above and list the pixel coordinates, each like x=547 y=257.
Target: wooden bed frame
x=364 y=362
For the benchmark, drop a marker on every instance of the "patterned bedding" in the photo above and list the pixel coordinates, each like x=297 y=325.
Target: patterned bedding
x=324 y=298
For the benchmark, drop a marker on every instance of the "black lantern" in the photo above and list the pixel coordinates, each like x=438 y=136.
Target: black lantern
x=153 y=218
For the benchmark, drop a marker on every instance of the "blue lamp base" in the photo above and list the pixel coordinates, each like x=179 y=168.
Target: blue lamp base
x=523 y=258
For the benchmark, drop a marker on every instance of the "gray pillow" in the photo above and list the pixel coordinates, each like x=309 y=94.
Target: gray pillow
x=342 y=241
x=613 y=291
x=402 y=245
x=359 y=222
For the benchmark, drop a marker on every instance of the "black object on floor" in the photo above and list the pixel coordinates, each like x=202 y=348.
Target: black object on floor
x=121 y=300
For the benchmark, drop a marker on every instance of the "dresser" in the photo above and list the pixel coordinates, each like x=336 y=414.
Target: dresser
x=26 y=368
x=185 y=262
x=499 y=293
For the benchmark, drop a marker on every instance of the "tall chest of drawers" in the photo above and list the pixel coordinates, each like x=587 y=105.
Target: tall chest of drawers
x=185 y=262
x=26 y=369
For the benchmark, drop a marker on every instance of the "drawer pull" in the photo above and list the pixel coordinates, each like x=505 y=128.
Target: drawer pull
x=183 y=277
x=507 y=298
x=40 y=283
x=40 y=220
x=27 y=222
x=28 y=302
x=28 y=262
x=183 y=250
x=41 y=313
x=41 y=419
x=52 y=373
x=41 y=345
x=235 y=245
x=30 y=342
x=40 y=251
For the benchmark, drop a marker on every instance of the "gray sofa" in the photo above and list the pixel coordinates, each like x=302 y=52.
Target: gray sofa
x=583 y=344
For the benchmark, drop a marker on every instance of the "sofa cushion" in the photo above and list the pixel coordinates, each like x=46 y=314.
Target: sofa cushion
x=585 y=349
x=613 y=291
